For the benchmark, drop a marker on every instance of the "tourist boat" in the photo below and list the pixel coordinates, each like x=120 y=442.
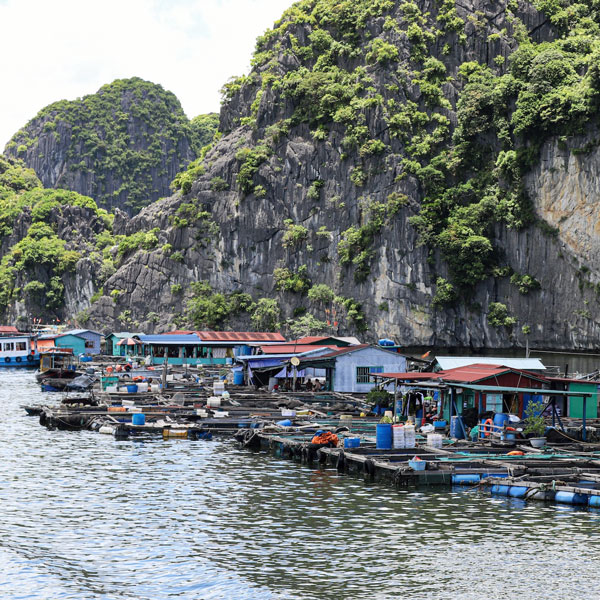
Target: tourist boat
x=18 y=351
x=57 y=368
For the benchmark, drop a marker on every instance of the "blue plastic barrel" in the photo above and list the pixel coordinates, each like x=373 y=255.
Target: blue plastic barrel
x=138 y=419
x=132 y=389
x=501 y=490
x=351 y=442
x=517 y=491
x=570 y=498
x=384 y=436
x=457 y=428
x=285 y=423
x=238 y=377
x=466 y=479
x=594 y=501
x=500 y=419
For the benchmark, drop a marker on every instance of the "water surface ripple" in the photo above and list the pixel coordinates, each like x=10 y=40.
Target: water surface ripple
x=86 y=517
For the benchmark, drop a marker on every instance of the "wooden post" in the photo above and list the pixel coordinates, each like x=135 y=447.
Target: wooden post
x=583 y=431
x=164 y=371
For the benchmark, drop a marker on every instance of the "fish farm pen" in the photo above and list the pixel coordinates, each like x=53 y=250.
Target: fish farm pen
x=339 y=431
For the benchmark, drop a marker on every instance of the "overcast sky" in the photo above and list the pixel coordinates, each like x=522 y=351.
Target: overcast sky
x=63 y=49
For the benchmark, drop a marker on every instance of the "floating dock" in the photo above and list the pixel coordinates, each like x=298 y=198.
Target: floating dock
x=284 y=425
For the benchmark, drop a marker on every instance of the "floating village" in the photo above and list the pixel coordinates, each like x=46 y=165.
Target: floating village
x=508 y=426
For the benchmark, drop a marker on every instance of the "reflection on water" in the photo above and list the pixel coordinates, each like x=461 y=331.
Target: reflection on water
x=84 y=516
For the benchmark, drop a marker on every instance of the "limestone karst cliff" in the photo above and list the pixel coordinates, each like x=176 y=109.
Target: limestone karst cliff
x=121 y=146
x=421 y=170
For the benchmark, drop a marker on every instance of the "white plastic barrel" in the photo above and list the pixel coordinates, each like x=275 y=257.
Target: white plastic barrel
x=410 y=438
x=398 y=436
x=434 y=440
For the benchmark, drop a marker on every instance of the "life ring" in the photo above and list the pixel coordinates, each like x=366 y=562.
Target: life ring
x=30 y=357
x=18 y=359
x=7 y=359
x=487 y=427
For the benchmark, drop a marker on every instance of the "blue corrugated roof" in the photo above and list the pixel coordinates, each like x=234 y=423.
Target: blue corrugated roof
x=124 y=334
x=80 y=331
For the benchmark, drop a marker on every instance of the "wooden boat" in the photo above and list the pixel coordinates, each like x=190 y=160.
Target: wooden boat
x=57 y=368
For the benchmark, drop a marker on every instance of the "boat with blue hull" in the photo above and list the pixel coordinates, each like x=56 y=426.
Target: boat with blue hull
x=19 y=351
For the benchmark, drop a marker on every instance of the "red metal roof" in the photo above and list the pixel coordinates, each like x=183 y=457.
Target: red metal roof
x=472 y=373
x=311 y=339
x=292 y=348
x=239 y=336
x=341 y=351
x=478 y=372
x=8 y=329
x=468 y=374
x=178 y=332
x=231 y=336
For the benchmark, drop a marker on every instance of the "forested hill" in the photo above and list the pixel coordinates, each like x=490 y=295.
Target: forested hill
x=426 y=171
x=51 y=247
x=122 y=145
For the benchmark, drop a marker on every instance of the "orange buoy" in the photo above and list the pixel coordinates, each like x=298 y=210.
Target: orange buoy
x=487 y=427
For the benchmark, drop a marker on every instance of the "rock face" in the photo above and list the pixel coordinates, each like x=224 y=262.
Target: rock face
x=121 y=146
x=404 y=156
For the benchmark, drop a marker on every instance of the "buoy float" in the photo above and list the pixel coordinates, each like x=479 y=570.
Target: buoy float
x=487 y=427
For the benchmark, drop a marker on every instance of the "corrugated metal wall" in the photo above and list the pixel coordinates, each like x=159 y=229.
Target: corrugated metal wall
x=92 y=337
x=345 y=370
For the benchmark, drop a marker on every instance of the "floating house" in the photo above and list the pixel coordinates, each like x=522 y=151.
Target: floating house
x=349 y=369
x=475 y=388
x=114 y=345
x=93 y=340
x=202 y=347
x=275 y=363
x=62 y=340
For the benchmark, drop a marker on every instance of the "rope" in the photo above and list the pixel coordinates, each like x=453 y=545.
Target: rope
x=575 y=440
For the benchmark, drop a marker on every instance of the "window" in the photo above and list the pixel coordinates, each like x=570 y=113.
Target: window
x=493 y=402
x=21 y=346
x=89 y=344
x=8 y=347
x=362 y=373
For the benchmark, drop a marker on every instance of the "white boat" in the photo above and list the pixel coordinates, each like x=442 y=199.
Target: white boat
x=18 y=351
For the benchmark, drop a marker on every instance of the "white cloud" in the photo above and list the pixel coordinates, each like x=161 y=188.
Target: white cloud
x=64 y=49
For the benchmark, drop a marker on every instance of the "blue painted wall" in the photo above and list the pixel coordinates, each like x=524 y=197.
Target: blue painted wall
x=93 y=339
x=76 y=343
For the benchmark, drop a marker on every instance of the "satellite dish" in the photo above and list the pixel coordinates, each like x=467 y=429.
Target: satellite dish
x=295 y=361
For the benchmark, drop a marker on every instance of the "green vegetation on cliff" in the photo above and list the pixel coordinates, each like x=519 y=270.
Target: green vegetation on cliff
x=37 y=258
x=365 y=68
x=121 y=145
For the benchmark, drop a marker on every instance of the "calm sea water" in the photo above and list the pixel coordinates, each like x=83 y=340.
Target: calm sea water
x=85 y=517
